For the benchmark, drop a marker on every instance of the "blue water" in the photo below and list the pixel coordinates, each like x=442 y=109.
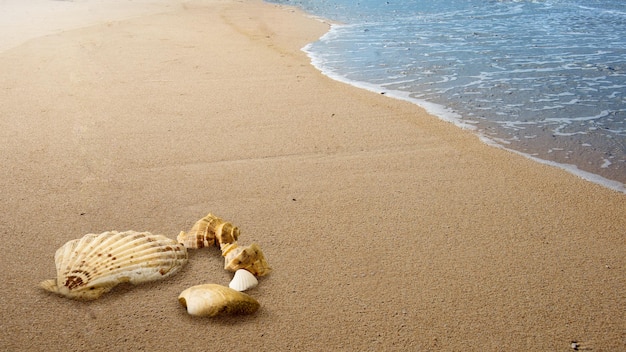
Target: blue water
x=544 y=78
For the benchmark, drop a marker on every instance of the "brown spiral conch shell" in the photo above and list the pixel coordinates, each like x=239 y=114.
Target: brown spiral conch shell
x=250 y=258
x=211 y=300
x=209 y=231
x=92 y=265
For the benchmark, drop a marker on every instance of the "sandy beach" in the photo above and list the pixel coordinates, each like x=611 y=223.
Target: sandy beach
x=387 y=229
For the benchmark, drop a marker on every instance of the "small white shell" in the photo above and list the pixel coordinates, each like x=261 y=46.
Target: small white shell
x=211 y=300
x=243 y=280
x=92 y=265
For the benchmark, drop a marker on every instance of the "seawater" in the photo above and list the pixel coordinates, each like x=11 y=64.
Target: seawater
x=544 y=78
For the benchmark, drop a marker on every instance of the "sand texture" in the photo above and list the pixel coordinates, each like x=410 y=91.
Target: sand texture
x=386 y=228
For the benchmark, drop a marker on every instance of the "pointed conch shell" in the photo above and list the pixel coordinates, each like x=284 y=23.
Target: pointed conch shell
x=209 y=231
x=210 y=300
x=243 y=280
x=250 y=258
x=92 y=265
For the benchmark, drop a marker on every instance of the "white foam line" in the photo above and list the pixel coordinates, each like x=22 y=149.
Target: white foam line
x=435 y=109
x=573 y=169
x=448 y=115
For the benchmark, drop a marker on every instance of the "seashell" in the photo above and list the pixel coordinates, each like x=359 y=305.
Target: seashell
x=92 y=265
x=209 y=231
x=250 y=258
x=211 y=300
x=243 y=280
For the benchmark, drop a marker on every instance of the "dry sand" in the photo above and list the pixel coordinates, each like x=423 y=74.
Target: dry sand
x=387 y=229
x=21 y=20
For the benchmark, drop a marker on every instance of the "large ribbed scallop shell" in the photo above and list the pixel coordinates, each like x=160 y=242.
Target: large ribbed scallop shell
x=93 y=265
x=210 y=300
x=250 y=258
x=209 y=231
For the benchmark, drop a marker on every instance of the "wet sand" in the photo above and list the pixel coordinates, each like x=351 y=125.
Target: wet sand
x=387 y=229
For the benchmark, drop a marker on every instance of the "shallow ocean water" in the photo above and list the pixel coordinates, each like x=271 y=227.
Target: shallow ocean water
x=543 y=78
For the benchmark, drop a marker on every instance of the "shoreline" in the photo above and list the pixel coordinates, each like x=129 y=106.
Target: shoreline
x=386 y=227
x=448 y=115
x=75 y=16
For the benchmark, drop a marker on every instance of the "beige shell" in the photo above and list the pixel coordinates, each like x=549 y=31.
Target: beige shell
x=211 y=300
x=243 y=280
x=209 y=231
x=92 y=265
x=250 y=258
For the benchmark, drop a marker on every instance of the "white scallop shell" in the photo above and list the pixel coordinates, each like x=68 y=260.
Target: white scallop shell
x=210 y=300
x=243 y=280
x=94 y=264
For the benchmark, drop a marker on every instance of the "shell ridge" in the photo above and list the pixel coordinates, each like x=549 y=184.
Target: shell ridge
x=65 y=260
x=161 y=256
x=50 y=285
x=71 y=255
x=94 y=264
x=134 y=243
x=130 y=257
x=243 y=280
x=85 y=254
x=63 y=255
x=109 y=243
x=148 y=249
x=136 y=250
x=138 y=273
x=104 y=259
x=144 y=259
x=155 y=260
